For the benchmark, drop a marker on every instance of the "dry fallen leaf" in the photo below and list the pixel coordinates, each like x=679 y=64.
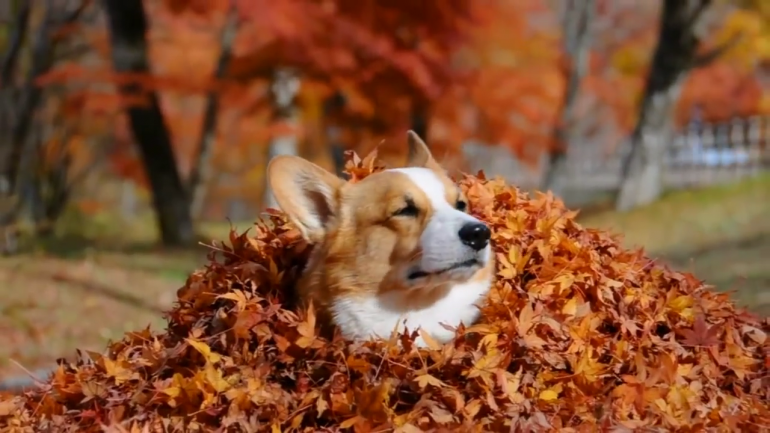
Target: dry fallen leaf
x=580 y=334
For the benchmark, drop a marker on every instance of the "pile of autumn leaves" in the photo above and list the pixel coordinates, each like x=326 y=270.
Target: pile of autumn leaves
x=578 y=332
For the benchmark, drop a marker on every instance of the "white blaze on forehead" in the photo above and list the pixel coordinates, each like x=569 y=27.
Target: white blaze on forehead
x=440 y=242
x=427 y=180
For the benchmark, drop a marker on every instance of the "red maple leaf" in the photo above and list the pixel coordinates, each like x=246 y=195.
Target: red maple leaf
x=701 y=334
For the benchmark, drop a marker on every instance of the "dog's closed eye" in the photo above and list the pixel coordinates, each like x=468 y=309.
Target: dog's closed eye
x=408 y=210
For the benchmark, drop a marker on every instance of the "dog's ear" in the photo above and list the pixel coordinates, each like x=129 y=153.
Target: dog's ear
x=306 y=192
x=419 y=154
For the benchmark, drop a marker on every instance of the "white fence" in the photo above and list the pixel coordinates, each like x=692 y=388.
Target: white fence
x=701 y=155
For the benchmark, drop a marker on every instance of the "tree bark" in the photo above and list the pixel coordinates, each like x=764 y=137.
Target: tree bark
x=577 y=18
x=128 y=27
x=201 y=171
x=676 y=54
x=419 y=121
x=331 y=105
x=15 y=150
x=17 y=32
x=284 y=88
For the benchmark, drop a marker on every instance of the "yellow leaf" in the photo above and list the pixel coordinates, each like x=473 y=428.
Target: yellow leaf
x=172 y=391
x=523 y=262
x=549 y=395
x=215 y=379
x=204 y=350
x=510 y=382
x=587 y=366
x=430 y=341
x=570 y=308
x=472 y=408
x=507 y=273
x=116 y=371
x=565 y=281
x=489 y=342
x=681 y=302
x=484 y=366
x=424 y=379
x=238 y=296
x=297 y=421
x=682 y=305
x=321 y=405
x=514 y=258
x=304 y=342
x=482 y=328
x=350 y=422
x=525 y=319
x=307 y=327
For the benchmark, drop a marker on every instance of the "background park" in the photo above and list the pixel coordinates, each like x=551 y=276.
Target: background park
x=131 y=131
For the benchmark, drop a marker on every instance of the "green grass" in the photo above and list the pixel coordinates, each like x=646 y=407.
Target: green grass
x=687 y=221
x=721 y=234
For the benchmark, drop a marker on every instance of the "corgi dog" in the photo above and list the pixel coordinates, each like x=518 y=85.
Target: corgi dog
x=395 y=249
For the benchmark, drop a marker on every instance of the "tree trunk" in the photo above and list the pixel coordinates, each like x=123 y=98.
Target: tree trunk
x=201 y=170
x=331 y=105
x=17 y=31
x=419 y=121
x=284 y=88
x=674 y=57
x=128 y=27
x=577 y=19
x=16 y=157
x=643 y=167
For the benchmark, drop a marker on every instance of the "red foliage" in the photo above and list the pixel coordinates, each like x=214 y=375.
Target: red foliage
x=387 y=58
x=722 y=92
x=492 y=70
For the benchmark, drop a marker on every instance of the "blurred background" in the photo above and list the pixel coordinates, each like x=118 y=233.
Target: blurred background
x=131 y=130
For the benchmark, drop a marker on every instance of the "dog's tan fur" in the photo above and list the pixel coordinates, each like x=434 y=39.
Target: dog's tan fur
x=360 y=250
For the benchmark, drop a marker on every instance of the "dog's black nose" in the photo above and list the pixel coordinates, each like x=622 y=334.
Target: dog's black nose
x=475 y=235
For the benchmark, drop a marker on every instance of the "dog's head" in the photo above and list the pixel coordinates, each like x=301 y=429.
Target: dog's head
x=405 y=228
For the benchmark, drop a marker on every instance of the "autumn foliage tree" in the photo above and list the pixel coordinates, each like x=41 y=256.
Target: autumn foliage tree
x=365 y=71
x=332 y=48
x=732 y=86
x=389 y=62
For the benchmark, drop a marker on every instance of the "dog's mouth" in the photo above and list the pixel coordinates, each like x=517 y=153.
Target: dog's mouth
x=417 y=273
